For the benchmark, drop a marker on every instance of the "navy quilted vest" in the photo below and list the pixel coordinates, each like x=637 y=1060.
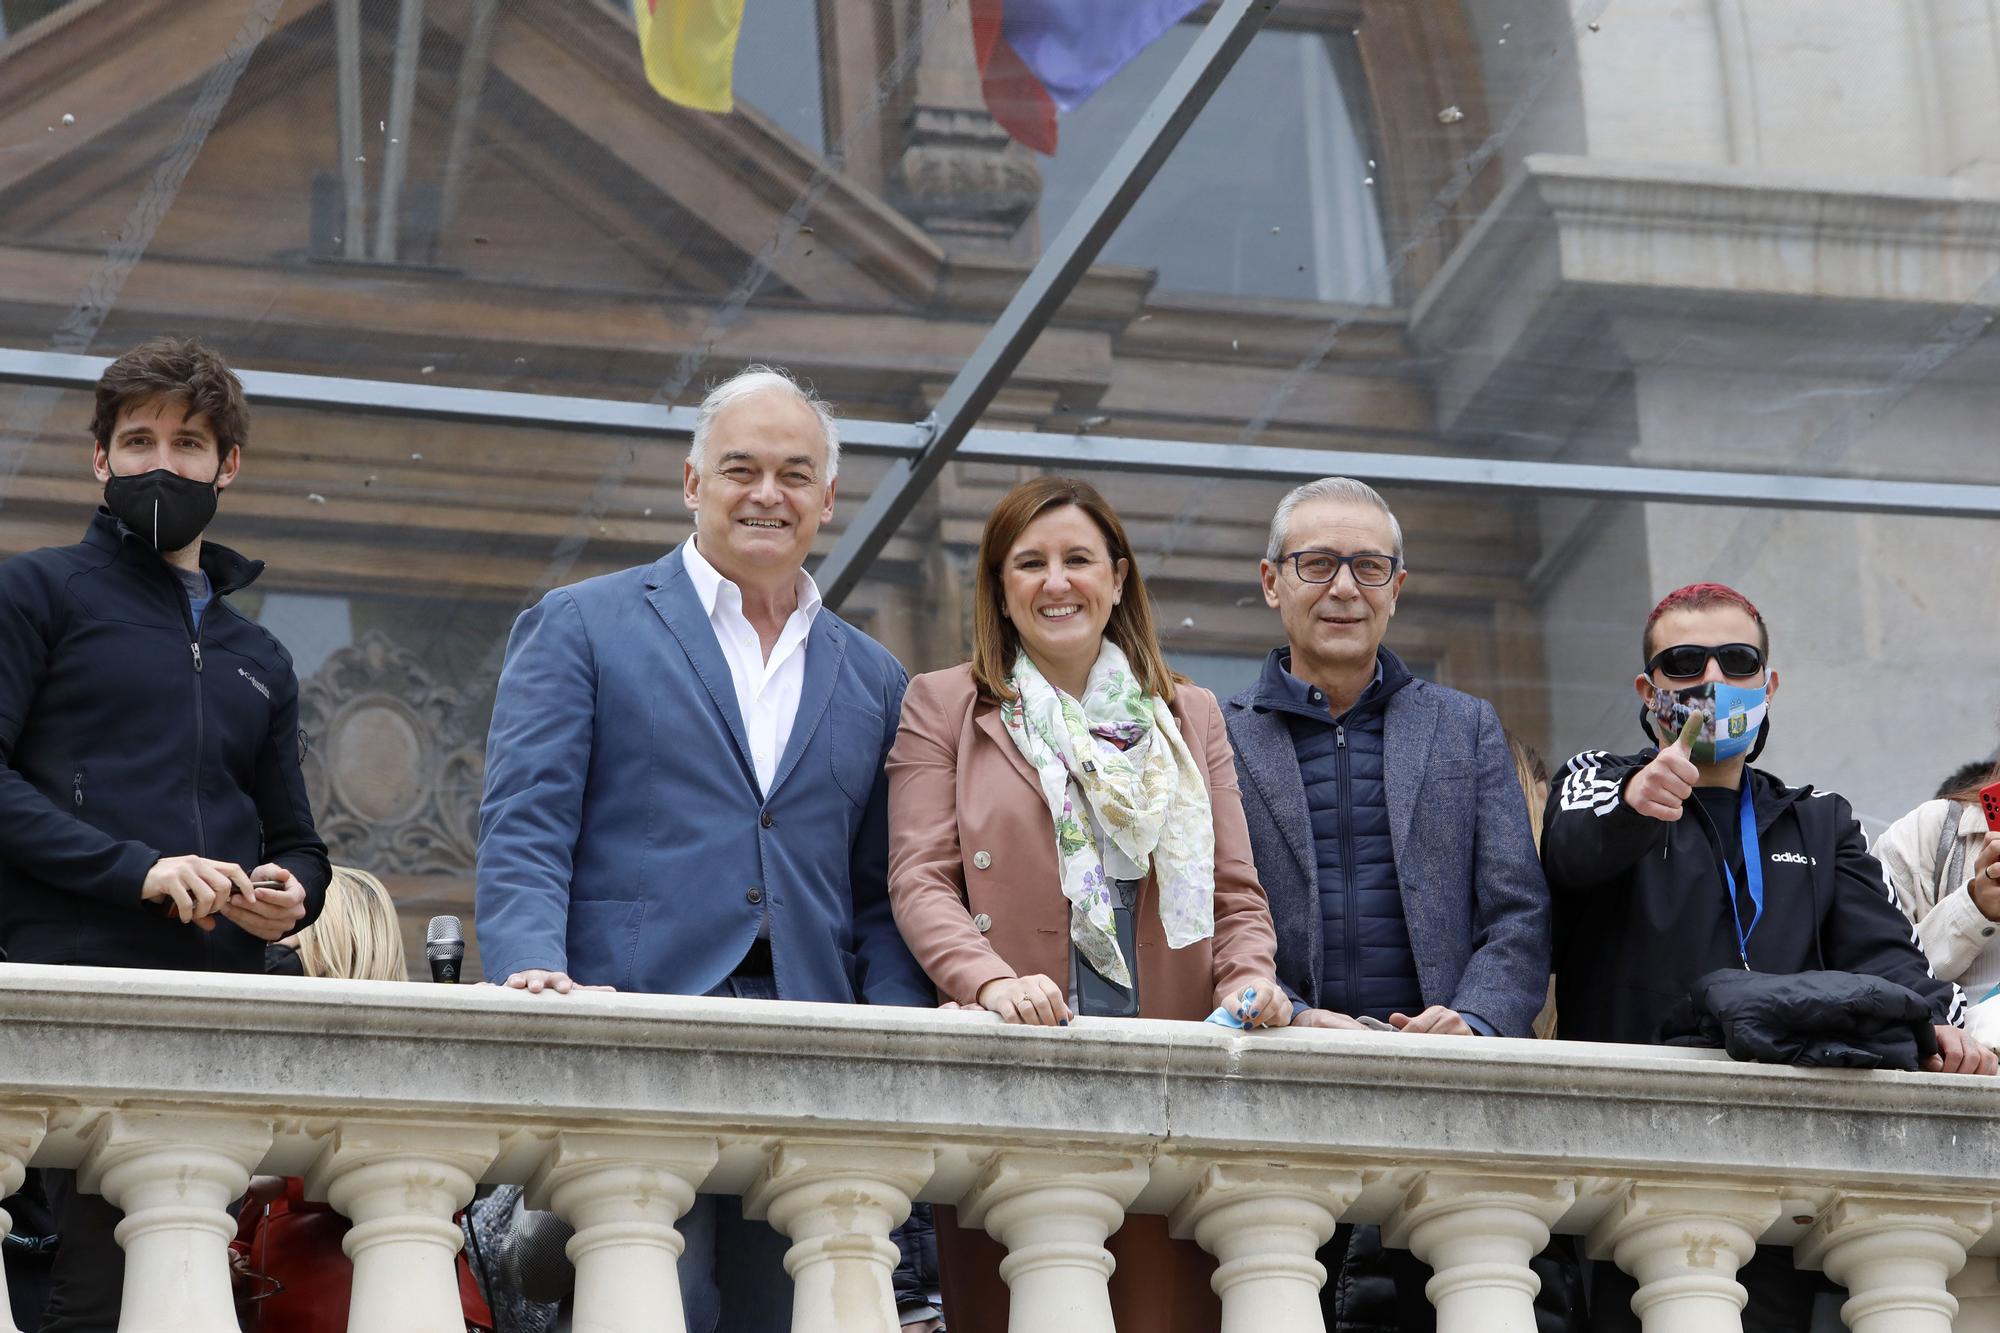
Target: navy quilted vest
x=1367 y=966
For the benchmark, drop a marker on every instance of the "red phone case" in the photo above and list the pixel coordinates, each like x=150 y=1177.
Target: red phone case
x=1989 y=801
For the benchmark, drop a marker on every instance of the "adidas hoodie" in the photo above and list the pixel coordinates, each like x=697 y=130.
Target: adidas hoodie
x=1642 y=905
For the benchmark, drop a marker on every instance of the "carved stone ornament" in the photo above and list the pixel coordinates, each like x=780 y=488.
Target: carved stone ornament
x=396 y=764
x=960 y=173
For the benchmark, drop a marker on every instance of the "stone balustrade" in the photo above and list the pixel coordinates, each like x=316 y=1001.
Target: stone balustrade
x=167 y=1091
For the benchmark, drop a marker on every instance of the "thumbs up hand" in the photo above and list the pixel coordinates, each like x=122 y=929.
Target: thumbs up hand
x=1659 y=790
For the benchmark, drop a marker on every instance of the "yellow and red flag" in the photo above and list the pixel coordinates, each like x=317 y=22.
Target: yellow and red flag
x=690 y=49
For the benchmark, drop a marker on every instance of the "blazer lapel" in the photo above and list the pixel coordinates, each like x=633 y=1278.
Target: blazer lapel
x=674 y=598
x=826 y=646
x=996 y=731
x=1407 y=727
x=1273 y=765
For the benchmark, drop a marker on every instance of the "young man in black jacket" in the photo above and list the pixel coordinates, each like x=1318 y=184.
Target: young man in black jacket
x=152 y=811
x=1671 y=863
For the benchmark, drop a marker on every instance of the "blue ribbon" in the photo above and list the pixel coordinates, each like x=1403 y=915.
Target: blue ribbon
x=1753 y=870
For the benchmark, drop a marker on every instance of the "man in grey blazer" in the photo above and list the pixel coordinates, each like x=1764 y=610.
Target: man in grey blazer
x=1388 y=827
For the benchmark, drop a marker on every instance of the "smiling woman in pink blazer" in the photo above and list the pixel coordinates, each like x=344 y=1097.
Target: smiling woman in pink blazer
x=1027 y=788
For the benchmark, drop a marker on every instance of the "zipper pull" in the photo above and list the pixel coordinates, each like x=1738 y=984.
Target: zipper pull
x=197 y=657
x=79 y=789
x=1340 y=735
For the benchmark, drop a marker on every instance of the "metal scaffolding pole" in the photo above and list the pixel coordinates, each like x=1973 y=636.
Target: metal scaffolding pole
x=1074 y=249
x=1107 y=453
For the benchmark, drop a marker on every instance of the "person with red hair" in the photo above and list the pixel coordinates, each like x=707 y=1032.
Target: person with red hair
x=1682 y=860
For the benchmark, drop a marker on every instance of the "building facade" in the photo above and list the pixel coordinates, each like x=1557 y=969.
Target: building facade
x=1698 y=238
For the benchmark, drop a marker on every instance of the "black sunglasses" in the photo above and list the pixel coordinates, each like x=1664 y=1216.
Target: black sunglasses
x=1685 y=661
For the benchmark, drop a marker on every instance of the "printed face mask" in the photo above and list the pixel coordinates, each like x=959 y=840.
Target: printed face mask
x=1733 y=717
x=163 y=507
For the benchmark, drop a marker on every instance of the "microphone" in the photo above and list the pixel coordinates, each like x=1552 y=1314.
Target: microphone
x=444 y=945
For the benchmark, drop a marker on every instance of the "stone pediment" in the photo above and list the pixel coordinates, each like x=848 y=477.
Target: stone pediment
x=578 y=175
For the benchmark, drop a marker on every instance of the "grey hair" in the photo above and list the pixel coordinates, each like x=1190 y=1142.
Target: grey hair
x=755 y=379
x=1328 y=488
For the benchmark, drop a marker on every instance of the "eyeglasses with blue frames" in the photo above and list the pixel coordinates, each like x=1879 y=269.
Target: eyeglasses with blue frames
x=1371 y=569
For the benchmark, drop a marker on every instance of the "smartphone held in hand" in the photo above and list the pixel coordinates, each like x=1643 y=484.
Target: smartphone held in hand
x=1989 y=801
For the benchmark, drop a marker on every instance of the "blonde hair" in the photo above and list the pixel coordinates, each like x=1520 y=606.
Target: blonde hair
x=1534 y=776
x=356 y=934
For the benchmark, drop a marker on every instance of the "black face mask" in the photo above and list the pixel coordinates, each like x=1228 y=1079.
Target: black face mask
x=163 y=507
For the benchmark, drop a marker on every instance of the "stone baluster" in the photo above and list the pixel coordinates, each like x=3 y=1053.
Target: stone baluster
x=1264 y=1224
x=623 y=1193
x=20 y=1134
x=1054 y=1212
x=1976 y=1288
x=174 y=1176
x=838 y=1203
x=401 y=1185
x=1894 y=1255
x=1683 y=1244
x=1478 y=1233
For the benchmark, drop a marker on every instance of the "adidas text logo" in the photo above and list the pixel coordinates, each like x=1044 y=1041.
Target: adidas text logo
x=1793 y=858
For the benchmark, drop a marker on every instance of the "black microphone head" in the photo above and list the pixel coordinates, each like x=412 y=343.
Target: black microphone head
x=444 y=937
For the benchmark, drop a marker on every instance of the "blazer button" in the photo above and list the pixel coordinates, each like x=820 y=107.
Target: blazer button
x=982 y=923
x=755 y=896
x=981 y=860
x=765 y=819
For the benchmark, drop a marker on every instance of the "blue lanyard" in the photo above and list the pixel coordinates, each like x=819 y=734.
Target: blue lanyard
x=1753 y=870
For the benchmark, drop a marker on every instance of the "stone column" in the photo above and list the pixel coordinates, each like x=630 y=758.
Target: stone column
x=20 y=1134
x=623 y=1193
x=1478 y=1233
x=1894 y=1255
x=174 y=1176
x=1684 y=1243
x=401 y=1185
x=1054 y=1212
x=1264 y=1224
x=838 y=1203
x=960 y=177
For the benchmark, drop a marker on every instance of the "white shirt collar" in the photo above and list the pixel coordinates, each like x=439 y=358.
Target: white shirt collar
x=709 y=585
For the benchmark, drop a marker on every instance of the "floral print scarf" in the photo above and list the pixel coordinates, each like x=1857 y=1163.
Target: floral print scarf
x=1119 y=749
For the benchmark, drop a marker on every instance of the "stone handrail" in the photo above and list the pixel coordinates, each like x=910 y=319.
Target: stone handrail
x=168 y=1090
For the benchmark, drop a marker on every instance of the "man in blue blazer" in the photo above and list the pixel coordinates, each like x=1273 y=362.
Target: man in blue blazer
x=1388 y=828
x=684 y=787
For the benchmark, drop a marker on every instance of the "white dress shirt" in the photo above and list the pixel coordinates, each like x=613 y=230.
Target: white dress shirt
x=767 y=689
